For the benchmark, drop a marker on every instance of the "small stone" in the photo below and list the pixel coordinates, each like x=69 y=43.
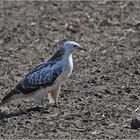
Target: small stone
x=127 y=89
x=95 y=132
x=88 y=113
x=107 y=91
x=136 y=72
x=134 y=97
x=105 y=77
x=80 y=99
x=98 y=95
x=93 y=81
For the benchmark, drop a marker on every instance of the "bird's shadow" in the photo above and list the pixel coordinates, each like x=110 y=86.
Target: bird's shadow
x=4 y=115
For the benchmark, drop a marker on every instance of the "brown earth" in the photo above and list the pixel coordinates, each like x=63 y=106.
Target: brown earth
x=104 y=88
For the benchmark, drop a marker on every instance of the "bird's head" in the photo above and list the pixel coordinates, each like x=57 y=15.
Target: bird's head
x=66 y=49
x=71 y=46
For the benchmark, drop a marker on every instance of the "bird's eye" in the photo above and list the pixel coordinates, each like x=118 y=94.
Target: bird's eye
x=75 y=46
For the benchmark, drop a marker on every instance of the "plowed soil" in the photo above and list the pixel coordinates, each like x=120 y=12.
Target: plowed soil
x=103 y=91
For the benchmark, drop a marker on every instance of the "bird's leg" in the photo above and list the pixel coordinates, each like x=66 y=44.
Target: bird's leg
x=39 y=96
x=44 y=103
x=53 y=97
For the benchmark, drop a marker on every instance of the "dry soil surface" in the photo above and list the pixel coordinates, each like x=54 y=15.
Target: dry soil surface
x=104 y=88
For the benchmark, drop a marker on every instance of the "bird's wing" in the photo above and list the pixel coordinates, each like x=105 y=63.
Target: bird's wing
x=43 y=75
x=40 y=66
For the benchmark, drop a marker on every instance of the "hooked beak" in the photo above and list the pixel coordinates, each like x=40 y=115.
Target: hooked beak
x=80 y=48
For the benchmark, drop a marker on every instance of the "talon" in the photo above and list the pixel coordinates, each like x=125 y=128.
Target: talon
x=44 y=103
x=57 y=104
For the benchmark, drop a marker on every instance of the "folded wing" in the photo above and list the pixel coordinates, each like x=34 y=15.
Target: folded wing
x=42 y=76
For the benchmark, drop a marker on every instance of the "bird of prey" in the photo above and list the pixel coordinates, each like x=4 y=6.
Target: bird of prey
x=47 y=77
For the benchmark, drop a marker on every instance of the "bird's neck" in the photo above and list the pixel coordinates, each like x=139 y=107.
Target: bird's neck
x=60 y=54
x=70 y=61
x=67 y=55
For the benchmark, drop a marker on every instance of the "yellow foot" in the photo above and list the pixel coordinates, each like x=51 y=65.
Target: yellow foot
x=44 y=104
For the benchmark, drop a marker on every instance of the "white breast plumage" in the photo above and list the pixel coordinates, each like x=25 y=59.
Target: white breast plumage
x=67 y=70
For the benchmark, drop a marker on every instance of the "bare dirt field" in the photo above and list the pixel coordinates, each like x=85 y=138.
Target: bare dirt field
x=104 y=88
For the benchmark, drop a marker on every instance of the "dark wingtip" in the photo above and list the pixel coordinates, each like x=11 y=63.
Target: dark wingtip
x=4 y=101
x=8 y=96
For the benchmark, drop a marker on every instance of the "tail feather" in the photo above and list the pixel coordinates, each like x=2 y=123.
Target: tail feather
x=11 y=95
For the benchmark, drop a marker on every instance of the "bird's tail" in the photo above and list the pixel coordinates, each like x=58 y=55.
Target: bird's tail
x=10 y=96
